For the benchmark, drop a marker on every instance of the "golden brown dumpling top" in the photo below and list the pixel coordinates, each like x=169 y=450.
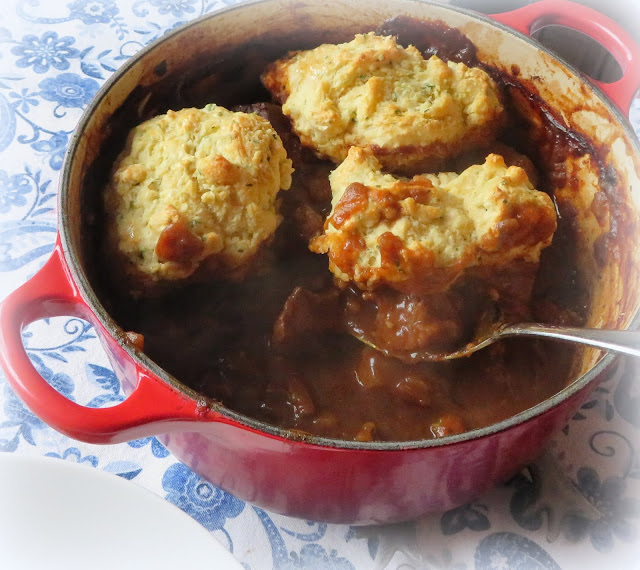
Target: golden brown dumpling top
x=422 y=233
x=195 y=185
x=373 y=92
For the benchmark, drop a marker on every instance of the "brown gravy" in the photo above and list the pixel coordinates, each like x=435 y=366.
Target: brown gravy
x=272 y=345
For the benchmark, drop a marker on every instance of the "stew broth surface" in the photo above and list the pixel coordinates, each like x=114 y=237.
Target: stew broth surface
x=272 y=345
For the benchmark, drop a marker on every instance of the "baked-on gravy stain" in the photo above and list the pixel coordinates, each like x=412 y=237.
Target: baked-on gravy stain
x=272 y=345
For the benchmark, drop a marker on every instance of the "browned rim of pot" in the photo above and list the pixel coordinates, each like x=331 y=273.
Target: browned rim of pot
x=80 y=278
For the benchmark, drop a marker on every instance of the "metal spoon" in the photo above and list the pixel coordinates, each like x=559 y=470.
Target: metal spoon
x=627 y=342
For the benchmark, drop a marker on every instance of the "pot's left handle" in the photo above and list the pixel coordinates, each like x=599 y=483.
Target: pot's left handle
x=594 y=24
x=148 y=410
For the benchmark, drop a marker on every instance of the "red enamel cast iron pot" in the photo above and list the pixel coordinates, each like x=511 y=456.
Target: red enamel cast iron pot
x=315 y=478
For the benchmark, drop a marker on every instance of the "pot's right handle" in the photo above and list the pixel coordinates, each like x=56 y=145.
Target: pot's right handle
x=594 y=24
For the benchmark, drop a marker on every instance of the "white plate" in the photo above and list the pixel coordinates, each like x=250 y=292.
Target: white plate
x=58 y=515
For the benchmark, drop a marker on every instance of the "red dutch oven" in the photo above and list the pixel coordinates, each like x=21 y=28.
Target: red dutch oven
x=321 y=479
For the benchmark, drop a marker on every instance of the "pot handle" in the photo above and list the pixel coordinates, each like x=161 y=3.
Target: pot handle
x=147 y=411
x=598 y=27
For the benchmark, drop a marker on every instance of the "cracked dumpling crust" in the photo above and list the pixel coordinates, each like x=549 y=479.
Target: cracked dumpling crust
x=373 y=92
x=420 y=234
x=194 y=186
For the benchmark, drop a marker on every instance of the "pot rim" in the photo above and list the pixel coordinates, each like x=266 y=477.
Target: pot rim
x=71 y=260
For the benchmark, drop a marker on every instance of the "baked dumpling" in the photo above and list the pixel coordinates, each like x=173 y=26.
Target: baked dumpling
x=412 y=112
x=194 y=187
x=420 y=234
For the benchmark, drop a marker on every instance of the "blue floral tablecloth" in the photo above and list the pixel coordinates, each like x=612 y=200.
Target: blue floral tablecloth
x=577 y=507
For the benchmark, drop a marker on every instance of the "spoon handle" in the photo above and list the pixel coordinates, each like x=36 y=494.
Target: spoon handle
x=627 y=342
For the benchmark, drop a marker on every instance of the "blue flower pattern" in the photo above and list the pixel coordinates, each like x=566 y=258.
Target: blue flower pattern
x=315 y=557
x=205 y=502
x=24 y=100
x=7 y=121
x=616 y=510
x=74 y=455
x=60 y=60
x=20 y=423
x=69 y=90
x=157 y=449
x=176 y=8
x=45 y=52
x=469 y=516
x=93 y=11
x=13 y=191
x=53 y=148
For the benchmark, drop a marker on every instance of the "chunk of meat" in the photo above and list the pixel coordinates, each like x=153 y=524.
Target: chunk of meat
x=367 y=432
x=136 y=339
x=406 y=322
x=448 y=424
x=400 y=322
x=419 y=385
x=179 y=244
x=299 y=398
x=305 y=314
x=309 y=221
